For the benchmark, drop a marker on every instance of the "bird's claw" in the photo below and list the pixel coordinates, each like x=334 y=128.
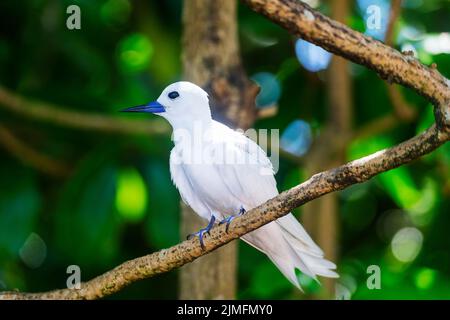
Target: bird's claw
x=202 y=231
x=228 y=219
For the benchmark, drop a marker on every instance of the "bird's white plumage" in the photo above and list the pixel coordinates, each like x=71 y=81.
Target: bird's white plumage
x=233 y=172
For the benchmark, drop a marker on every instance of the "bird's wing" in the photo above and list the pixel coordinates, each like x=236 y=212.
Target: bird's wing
x=253 y=183
x=244 y=168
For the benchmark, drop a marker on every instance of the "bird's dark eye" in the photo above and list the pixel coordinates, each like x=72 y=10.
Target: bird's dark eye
x=174 y=95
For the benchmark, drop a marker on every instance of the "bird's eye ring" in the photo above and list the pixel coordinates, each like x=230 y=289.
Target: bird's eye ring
x=173 y=95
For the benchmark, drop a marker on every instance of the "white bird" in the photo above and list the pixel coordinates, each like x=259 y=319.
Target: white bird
x=220 y=173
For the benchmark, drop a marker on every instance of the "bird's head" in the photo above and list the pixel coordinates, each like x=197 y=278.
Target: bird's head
x=181 y=103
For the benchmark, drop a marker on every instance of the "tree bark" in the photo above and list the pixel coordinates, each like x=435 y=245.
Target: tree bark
x=211 y=59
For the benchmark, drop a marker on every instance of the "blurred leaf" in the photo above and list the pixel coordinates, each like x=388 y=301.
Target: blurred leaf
x=268 y=281
x=364 y=147
x=115 y=12
x=359 y=212
x=86 y=224
x=308 y=284
x=33 y=251
x=423 y=209
x=20 y=204
x=162 y=225
x=400 y=186
x=426 y=119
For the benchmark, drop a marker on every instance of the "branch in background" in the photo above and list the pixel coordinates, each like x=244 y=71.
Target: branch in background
x=303 y=21
x=73 y=119
x=396 y=8
x=62 y=116
x=357 y=171
x=403 y=111
x=29 y=156
x=267 y=112
x=377 y=126
x=212 y=60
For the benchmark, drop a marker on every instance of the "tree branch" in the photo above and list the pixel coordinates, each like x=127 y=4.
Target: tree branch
x=301 y=20
x=80 y=120
x=318 y=185
x=30 y=156
x=396 y=8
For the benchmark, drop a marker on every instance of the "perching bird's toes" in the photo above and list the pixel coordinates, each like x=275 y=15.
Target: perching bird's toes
x=201 y=232
x=228 y=220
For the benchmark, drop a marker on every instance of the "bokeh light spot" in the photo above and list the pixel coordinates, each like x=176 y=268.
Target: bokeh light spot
x=33 y=251
x=131 y=195
x=409 y=33
x=296 y=138
x=425 y=278
x=342 y=292
x=135 y=52
x=270 y=89
x=437 y=44
x=406 y=244
x=312 y=57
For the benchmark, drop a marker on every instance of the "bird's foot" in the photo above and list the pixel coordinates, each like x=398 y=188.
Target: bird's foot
x=201 y=232
x=228 y=219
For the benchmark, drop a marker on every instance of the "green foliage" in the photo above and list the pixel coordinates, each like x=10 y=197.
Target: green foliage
x=20 y=203
x=162 y=225
x=131 y=196
x=86 y=208
x=135 y=52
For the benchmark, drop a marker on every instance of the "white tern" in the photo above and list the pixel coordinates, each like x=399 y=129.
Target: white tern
x=220 y=173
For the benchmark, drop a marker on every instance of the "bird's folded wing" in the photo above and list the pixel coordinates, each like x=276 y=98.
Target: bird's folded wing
x=252 y=182
x=245 y=169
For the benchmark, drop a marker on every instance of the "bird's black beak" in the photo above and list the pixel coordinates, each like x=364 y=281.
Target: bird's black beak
x=152 y=107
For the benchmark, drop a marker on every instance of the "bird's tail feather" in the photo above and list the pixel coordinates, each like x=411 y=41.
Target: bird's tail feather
x=289 y=247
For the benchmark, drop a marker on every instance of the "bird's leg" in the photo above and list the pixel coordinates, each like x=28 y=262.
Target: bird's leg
x=228 y=219
x=201 y=232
